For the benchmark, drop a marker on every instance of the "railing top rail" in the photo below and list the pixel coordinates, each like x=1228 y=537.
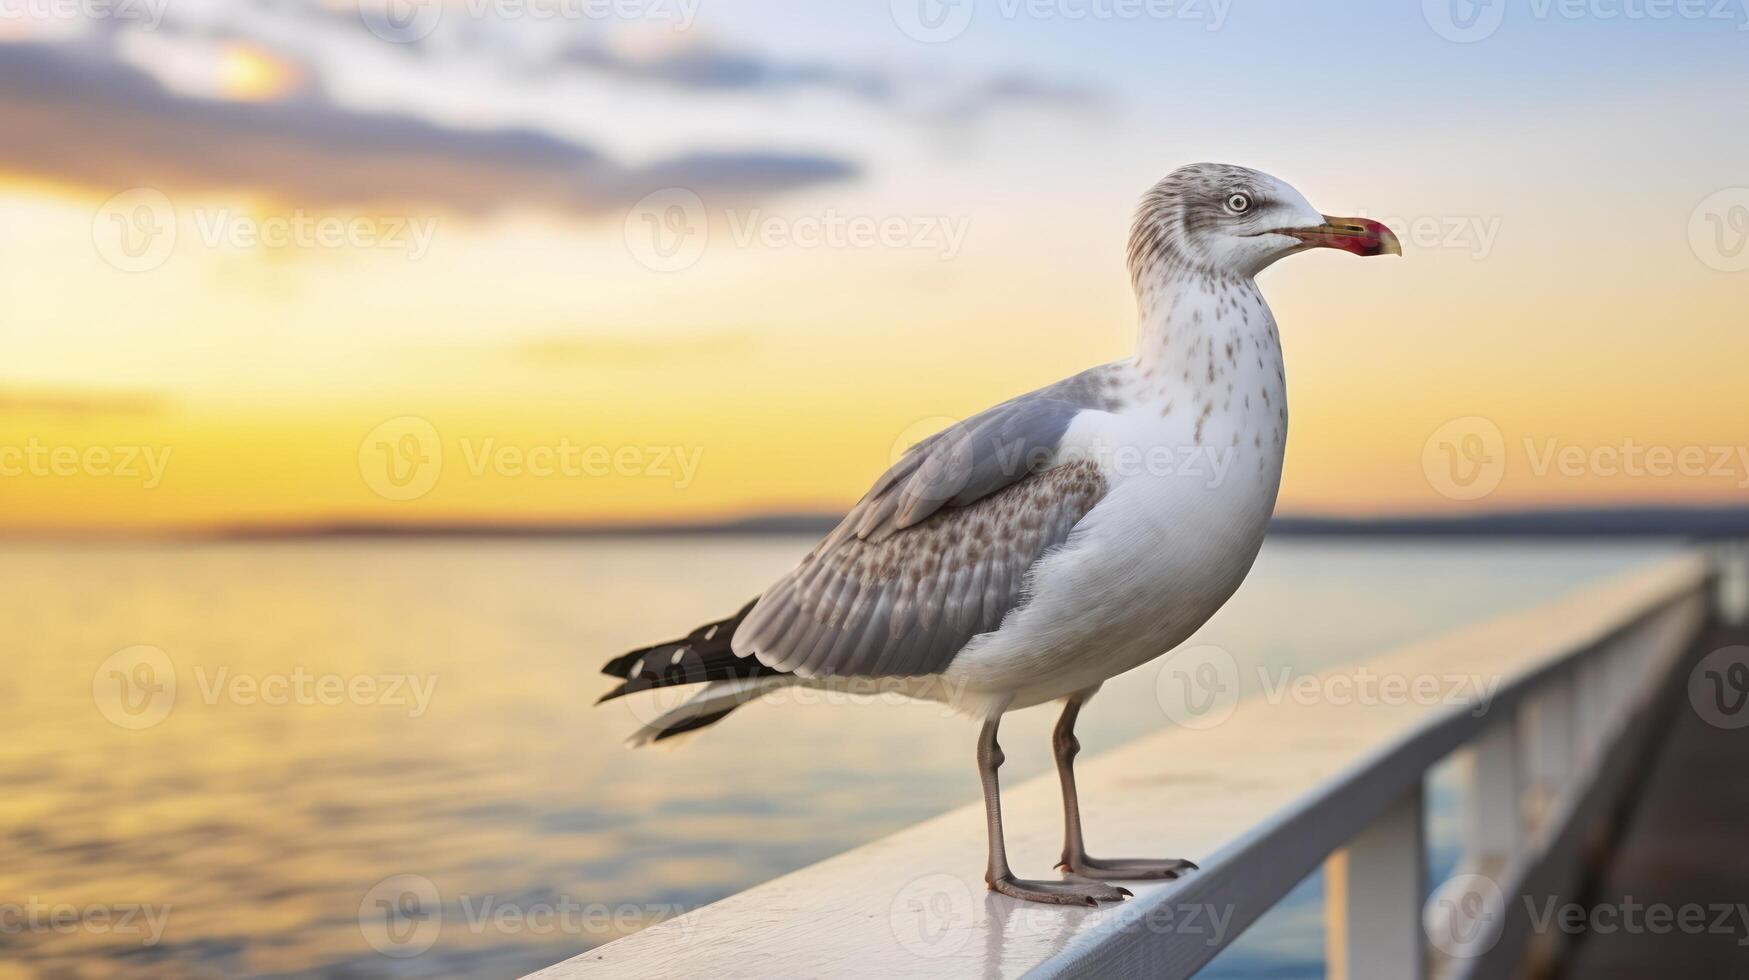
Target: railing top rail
x=1258 y=801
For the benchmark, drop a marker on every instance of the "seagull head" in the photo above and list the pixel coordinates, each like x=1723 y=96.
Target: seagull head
x=1215 y=219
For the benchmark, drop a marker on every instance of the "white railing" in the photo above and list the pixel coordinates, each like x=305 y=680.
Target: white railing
x=1260 y=801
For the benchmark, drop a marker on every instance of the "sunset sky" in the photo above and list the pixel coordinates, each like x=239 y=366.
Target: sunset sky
x=296 y=263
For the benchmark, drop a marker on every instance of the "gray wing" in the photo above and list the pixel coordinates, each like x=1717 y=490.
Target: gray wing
x=939 y=549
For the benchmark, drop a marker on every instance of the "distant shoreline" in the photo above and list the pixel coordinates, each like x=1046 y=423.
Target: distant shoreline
x=1603 y=523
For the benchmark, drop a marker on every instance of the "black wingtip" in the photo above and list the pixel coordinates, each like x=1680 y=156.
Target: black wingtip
x=621 y=666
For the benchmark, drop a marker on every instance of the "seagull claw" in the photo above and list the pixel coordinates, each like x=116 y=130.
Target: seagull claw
x=1125 y=869
x=1085 y=892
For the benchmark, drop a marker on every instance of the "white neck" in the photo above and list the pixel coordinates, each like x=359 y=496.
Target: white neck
x=1186 y=320
x=1207 y=351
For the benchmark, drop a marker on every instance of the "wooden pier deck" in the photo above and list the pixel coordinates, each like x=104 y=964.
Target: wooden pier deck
x=1684 y=847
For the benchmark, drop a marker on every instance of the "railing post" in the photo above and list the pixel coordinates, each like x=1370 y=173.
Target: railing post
x=1589 y=716
x=1551 y=745
x=1373 y=890
x=1731 y=596
x=1494 y=820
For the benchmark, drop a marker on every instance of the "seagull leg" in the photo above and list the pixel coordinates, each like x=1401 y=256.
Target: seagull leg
x=999 y=878
x=1075 y=860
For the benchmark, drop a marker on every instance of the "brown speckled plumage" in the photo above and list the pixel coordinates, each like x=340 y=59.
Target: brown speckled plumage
x=901 y=605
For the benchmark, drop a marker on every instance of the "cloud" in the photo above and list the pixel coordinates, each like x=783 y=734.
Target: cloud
x=78 y=402
x=707 y=67
x=704 y=66
x=1015 y=89
x=73 y=111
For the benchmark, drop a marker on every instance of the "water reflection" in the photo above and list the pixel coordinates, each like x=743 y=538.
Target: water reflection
x=260 y=813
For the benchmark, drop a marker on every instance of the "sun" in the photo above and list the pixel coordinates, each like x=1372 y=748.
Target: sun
x=249 y=73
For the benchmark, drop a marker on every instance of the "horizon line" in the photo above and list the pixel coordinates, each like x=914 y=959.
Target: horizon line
x=1624 y=520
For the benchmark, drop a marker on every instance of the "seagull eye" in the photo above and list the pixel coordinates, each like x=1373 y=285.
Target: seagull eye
x=1239 y=203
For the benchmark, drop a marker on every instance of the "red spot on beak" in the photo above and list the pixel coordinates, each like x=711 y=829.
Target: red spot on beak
x=1361 y=236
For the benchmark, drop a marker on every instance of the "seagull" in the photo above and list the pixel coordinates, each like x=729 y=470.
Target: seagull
x=1037 y=549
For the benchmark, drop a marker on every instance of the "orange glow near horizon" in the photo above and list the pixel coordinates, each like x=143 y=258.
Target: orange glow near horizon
x=770 y=378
